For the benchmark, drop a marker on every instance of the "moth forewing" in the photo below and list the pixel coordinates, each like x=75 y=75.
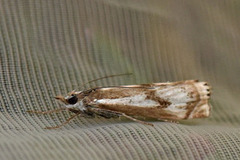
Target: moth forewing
x=171 y=101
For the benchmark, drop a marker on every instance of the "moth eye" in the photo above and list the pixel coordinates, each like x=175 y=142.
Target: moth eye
x=72 y=100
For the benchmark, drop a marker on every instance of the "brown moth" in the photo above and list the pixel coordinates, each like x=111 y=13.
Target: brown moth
x=169 y=101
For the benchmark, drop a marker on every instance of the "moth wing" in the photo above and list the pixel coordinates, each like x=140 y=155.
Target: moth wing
x=185 y=99
x=188 y=97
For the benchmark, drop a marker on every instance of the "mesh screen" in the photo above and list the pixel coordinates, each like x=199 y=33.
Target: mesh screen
x=49 y=48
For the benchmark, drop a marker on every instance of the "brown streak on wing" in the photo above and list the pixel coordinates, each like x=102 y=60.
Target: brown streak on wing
x=115 y=93
x=162 y=102
x=191 y=105
x=148 y=112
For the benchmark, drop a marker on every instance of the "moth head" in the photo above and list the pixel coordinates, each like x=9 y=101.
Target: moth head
x=70 y=99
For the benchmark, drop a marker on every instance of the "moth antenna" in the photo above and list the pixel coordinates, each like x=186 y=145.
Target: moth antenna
x=110 y=76
x=72 y=92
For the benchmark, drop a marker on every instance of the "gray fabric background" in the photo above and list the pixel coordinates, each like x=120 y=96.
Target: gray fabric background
x=49 y=48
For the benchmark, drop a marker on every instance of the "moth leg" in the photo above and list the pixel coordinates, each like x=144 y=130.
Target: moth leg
x=136 y=120
x=64 y=123
x=101 y=111
x=47 y=112
x=74 y=110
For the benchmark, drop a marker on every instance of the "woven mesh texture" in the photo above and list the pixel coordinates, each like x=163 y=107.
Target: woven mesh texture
x=51 y=47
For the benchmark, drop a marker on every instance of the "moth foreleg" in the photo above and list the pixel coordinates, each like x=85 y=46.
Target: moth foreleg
x=66 y=122
x=47 y=112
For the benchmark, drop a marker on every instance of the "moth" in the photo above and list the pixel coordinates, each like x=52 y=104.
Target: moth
x=170 y=101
